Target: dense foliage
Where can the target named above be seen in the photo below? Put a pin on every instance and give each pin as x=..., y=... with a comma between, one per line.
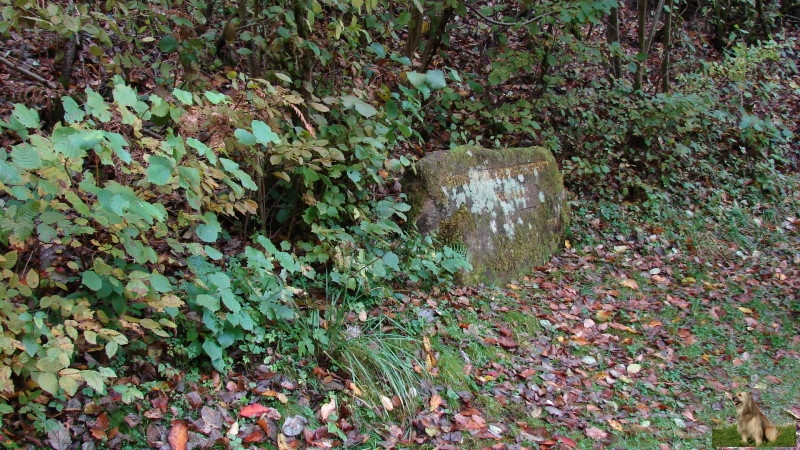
x=220, y=184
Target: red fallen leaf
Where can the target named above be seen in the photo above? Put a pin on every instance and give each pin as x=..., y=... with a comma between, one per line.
x=178, y=435
x=256, y=436
x=474, y=422
x=564, y=440
x=506, y=342
x=255, y=410
x=596, y=433
x=678, y=302
x=99, y=431
x=689, y=415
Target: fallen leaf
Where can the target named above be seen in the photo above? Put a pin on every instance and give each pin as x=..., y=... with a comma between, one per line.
x=565, y=440
x=253, y=410
x=745, y=310
x=234, y=429
x=59, y=437
x=326, y=409
x=634, y=368
x=631, y=283
x=387, y=403
x=178, y=435
x=294, y=425
x=596, y=433
x=256, y=436
x=435, y=403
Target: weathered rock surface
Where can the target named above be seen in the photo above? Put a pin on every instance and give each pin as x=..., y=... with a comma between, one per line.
x=507, y=207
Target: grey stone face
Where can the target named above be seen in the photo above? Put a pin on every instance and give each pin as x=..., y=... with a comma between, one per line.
x=507, y=207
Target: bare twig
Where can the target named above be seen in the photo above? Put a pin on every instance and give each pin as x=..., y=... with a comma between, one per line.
x=505, y=24
x=27, y=73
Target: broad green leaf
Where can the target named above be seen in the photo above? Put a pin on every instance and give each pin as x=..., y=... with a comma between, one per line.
x=435, y=79
x=48, y=382
x=51, y=364
x=416, y=79
x=245, y=137
x=213, y=350
x=125, y=95
x=95, y=380
x=69, y=385
x=73, y=143
x=26, y=157
x=213, y=253
x=202, y=149
x=184, y=96
x=264, y=134
x=208, y=302
x=29, y=118
x=111, y=348
x=247, y=182
x=365, y=109
x=216, y=98
x=168, y=44
x=97, y=106
x=391, y=260
x=72, y=111
x=159, y=171
x=207, y=233
x=9, y=173
x=91, y=280
x=160, y=283
x=137, y=286
x=230, y=301
x=220, y=280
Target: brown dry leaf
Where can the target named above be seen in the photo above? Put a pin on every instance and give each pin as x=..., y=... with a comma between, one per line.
x=101, y=428
x=435, y=403
x=631, y=283
x=596, y=433
x=603, y=315
x=387, y=403
x=178, y=435
x=327, y=409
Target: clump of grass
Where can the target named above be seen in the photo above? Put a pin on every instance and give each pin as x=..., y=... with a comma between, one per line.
x=381, y=360
x=729, y=437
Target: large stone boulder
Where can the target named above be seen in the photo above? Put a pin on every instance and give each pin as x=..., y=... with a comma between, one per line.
x=506, y=207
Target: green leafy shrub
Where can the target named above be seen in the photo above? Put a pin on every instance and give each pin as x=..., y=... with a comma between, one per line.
x=88, y=235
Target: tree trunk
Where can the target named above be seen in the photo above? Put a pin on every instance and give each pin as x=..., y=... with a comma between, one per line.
x=612, y=36
x=436, y=36
x=642, y=56
x=414, y=32
x=667, y=47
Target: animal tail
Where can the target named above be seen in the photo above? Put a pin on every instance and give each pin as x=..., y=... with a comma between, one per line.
x=771, y=432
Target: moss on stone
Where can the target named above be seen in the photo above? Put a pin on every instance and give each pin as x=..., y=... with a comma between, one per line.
x=507, y=206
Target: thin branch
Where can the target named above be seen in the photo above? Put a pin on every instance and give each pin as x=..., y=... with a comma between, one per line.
x=27, y=73
x=505, y=24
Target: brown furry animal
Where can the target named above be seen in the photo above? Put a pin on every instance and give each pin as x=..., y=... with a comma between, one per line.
x=752, y=424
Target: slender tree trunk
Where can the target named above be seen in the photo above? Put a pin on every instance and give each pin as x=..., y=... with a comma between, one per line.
x=436, y=36
x=665, y=63
x=642, y=56
x=612, y=36
x=654, y=26
x=414, y=31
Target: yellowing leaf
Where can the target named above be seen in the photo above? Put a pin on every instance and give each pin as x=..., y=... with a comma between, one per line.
x=745, y=310
x=327, y=409
x=436, y=402
x=387, y=403
x=32, y=279
x=634, y=368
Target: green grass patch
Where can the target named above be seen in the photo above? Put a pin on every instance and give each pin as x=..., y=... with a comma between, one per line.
x=729, y=437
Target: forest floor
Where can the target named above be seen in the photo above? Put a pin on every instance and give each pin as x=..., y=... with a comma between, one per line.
x=634, y=336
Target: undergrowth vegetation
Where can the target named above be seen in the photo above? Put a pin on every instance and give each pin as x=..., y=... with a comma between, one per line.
x=210, y=193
